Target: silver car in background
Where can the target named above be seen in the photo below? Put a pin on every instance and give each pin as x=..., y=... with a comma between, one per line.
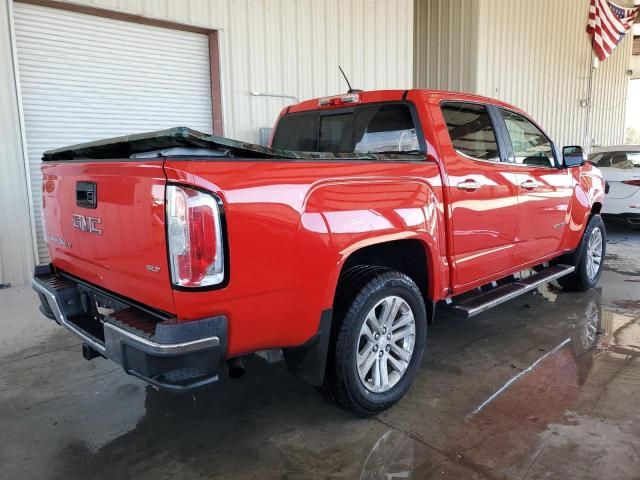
x=620, y=166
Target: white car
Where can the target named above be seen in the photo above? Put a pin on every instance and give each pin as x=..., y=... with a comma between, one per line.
x=621, y=169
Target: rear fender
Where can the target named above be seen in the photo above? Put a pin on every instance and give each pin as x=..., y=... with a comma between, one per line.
x=363, y=213
x=292, y=225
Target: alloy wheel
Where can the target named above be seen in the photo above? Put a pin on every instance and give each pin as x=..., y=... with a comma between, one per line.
x=385, y=344
x=594, y=253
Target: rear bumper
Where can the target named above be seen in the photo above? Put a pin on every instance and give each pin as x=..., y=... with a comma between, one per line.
x=170, y=355
x=625, y=210
x=630, y=218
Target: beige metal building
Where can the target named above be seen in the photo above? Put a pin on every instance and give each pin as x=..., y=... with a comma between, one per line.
x=72, y=71
x=635, y=58
x=533, y=54
x=76, y=71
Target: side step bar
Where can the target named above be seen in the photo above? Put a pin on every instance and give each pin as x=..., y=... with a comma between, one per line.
x=470, y=307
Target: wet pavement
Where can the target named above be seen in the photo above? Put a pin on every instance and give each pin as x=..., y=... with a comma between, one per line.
x=545, y=386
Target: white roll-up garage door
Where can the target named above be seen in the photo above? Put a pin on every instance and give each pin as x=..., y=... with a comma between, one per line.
x=84, y=77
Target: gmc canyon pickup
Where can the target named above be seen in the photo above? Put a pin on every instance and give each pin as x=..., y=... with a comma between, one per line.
x=175, y=253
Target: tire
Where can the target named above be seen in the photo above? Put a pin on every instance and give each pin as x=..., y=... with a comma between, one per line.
x=585, y=276
x=362, y=290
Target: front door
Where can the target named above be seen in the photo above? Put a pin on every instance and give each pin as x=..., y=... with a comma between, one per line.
x=482, y=190
x=545, y=191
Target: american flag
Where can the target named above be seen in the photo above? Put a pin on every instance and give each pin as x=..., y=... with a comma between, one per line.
x=607, y=25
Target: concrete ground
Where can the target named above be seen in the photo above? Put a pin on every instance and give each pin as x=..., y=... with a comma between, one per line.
x=546, y=386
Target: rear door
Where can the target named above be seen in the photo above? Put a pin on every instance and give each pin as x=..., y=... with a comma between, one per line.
x=106, y=225
x=544, y=190
x=483, y=193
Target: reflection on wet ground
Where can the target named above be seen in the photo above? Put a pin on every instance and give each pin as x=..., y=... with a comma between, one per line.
x=545, y=386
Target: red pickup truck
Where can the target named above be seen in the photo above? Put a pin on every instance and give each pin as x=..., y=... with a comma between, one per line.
x=175, y=253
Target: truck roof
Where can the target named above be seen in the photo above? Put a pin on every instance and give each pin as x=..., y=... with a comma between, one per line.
x=375, y=96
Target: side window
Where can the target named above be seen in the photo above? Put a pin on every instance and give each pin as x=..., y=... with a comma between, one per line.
x=622, y=160
x=600, y=160
x=626, y=160
x=530, y=145
x=634, y=158
x=470, y=130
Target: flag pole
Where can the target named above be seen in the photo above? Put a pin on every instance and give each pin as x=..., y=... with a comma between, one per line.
x=587, y=128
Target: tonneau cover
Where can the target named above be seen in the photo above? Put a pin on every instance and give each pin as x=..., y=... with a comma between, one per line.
x=183, y=137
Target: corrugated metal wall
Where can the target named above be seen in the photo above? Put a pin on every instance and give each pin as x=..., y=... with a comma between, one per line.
x=610, y=86
x=16, y=241
x=445, y=39
x=635, y=65
x=540, y=62
x=526, y=55
x=74, y=89
x=294, y=47
x=290, y=47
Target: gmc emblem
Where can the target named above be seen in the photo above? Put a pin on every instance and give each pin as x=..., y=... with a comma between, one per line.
x=87, y=224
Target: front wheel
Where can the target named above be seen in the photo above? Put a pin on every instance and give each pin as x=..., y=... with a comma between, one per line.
x=590, y=260
x=378, y=342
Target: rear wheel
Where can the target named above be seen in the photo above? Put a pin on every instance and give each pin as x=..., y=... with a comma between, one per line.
x=590, y=260
x=378, y=341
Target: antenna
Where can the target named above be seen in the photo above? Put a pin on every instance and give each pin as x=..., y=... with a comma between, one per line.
x=351, y=90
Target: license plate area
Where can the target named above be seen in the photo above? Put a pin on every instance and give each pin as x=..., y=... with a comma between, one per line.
x=96, y=307
x=104, y=308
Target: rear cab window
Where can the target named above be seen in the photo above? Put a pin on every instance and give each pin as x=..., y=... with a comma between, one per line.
x=374, y=128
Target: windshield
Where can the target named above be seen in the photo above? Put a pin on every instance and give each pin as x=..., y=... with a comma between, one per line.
x=621, y=160
x=383, y=128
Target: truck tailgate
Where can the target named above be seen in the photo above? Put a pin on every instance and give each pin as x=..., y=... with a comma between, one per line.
x=106, y=225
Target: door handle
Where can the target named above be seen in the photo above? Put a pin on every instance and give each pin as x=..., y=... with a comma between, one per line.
x=529, y=184
x=469, y=185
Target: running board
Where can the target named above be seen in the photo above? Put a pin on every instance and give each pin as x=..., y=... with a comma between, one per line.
x=482, y=302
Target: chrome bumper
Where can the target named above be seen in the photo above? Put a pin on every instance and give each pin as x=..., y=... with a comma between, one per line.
x=177, y=356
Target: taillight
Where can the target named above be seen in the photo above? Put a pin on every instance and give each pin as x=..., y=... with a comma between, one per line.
x=635, y=183
x=194, y=234
x=339, y=100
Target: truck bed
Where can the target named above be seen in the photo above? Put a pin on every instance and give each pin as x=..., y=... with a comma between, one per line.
x=183, y=142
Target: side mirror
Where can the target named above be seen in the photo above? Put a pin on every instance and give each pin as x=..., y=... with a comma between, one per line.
x=573, y=156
